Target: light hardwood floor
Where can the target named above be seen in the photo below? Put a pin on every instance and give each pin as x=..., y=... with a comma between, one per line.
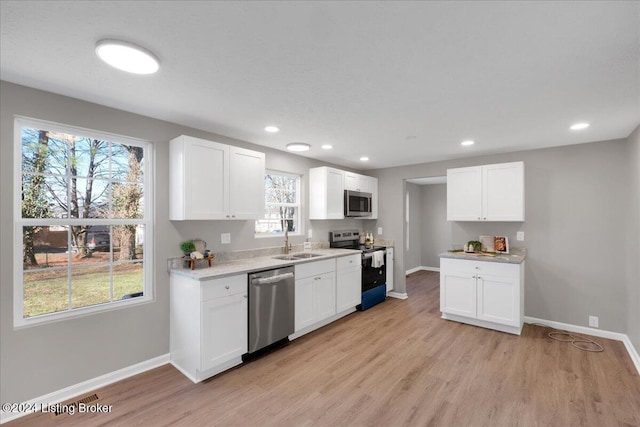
x=396, y=364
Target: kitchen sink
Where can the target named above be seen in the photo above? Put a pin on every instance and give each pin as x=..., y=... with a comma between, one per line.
x=293, y=257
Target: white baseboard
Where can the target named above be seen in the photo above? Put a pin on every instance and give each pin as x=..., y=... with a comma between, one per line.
x=633, y=352
x=399, y=295
x=84, y=387
x=421, y=268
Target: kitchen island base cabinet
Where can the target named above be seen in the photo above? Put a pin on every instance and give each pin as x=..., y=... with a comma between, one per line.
x=481, y=293
x=208, y=324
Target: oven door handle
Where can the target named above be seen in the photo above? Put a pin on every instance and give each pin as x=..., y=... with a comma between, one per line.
x=370, y=254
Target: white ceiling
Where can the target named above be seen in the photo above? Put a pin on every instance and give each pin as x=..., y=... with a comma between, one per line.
x=400, y=82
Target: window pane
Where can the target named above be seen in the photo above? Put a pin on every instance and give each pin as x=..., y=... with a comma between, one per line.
x=90, y=244
x=128, y=280
x=90, y=286
x=45, y=292
x=91, y=198
x=128, y=200
x=42, y=153
x=44, y=247
x=128, y=242
x=126, y=163
x=89, y=158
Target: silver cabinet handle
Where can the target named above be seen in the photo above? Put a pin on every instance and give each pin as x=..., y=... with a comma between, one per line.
x=233, y=216
x=226, y=287
x=228, y=216
x=245, y=295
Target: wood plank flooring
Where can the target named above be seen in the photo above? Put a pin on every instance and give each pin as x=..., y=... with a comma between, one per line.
x=396, y=364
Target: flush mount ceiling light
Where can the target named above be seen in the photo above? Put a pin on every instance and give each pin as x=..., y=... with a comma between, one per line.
x=272, y=129
x=579, y=126
x=127, y=56
x=364, y=159
x=298, y=146
x=467, y=143
x=327, y=147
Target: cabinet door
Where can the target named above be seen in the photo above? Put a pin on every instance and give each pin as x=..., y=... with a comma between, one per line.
x=503, y=190
x=206, y=183
x=464, y=194
x=356, y=182
x=324, y=296
x=304, y=303
x=498, y=299
x=335, y=194
x=224, y=330
x=457, y=292
x=348, y=288
x=373, y=189
x=246, y=184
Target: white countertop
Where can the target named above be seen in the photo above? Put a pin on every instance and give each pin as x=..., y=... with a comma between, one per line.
x=516, y=256
x=250, y=265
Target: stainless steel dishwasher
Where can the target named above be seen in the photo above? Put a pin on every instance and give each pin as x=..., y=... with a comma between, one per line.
x=271, y=307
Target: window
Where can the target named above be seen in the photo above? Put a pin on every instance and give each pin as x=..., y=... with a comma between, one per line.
x=83, y=222
x=282, y=205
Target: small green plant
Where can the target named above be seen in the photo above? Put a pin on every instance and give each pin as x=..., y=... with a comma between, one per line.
x=477, y=246
x=187, y=247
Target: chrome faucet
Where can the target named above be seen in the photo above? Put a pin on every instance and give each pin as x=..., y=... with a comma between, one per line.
x=287, y=245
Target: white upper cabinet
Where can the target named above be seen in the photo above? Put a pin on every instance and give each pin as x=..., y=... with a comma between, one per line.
x=209, y=180
x=326, y=193
x=486, y=193
x=356, y=182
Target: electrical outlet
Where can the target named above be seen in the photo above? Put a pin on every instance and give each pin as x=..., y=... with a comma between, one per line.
x=225, y=238
x=593, y=321
x=310, y=233
x=520, y=236
x=379, y=231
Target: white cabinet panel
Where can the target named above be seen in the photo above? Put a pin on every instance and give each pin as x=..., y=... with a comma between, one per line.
x=246, y=184
x=224, y=330
x=326, y=193
x=390, y=261
x=209, y=180
x=486, y=193
x=348, y=288
x=356, y=182
x=498, y=299
x=457, y=293
x=464, y=194
x=304, y=300
x=325, y=296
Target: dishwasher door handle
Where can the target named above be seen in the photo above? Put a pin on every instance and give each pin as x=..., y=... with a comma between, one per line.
x=271, y=279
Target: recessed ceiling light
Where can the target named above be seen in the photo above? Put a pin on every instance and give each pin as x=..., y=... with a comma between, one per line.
x=327, y=147
x=127, y=56
x=364, y=159
x=467, y=143
x=272, y=129
x=579, y=126
x=298, y=146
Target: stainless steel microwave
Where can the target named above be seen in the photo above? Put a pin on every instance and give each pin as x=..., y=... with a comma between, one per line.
x=357, y=203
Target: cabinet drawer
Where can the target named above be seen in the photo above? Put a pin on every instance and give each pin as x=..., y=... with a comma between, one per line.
x=218, y=288
x=315, y=268
x=483, y=267
x=348, y=261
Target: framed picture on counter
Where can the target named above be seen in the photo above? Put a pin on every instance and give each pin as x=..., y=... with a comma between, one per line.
x=501, y=244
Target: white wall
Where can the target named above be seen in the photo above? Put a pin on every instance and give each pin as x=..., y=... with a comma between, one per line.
x=41, y=359
x=436, y=231
x=576, y=228
x=413, y=253
x=633, y=240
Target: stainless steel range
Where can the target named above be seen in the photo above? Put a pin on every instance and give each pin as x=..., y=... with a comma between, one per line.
x=374, y=270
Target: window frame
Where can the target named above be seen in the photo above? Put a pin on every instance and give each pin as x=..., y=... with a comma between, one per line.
x=298, y=178
x=147, y=221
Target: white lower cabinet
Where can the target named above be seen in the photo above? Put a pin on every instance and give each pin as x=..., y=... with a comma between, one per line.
x=315, y=293
x=390, y=257
x=481, y=293
x=208, y=321
x=348, y=282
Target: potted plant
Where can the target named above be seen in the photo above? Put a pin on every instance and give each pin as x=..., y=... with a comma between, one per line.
x=187, y=247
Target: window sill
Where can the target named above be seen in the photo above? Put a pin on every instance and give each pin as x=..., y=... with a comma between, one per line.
x=280, y=236
x=45, y=319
